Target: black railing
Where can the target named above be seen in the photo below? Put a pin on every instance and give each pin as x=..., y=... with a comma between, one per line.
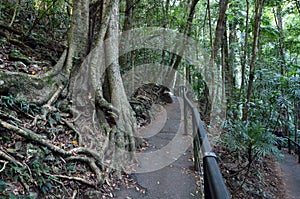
x=296, y=147
x=214, y=186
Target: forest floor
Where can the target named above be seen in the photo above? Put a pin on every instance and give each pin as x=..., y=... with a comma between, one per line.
x=269, y=178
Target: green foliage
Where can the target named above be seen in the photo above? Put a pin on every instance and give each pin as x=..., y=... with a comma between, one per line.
x=35, y=173
x=269, y=32
x=250, y=139
x=19, y=105
x=3, y=186
x=7, y=101
x=38, y=19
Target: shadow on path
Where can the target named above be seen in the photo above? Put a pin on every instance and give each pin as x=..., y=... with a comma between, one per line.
x=290, y=170
x=170, y=153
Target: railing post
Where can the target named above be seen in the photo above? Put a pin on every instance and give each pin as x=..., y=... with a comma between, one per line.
x=185, y=117
x=298, y=154
x=196, y=142
x=207, y=194
x=196, y=147
x=289, y=145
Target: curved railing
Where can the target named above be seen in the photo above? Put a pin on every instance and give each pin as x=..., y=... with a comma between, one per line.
x=214, y=186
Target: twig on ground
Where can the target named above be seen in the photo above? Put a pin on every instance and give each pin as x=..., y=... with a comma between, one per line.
x=73, y=178
x=4, y=165
x=10, y=158
x=74, y=194
x=23, y=182
x=3, y=114
x=28, y=168
x=59, y=182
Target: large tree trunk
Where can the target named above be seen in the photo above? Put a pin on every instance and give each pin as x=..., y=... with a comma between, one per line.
x=103, y=119
x=127, y=60
x=227, y=67
x=245, y=51
x=212, y=74
x=85, y=77
x=256, y=27
x=126, y=122
x=279, y=24
x=106, y=121
x=78, y=37
x=187, y=31
x=219, y=28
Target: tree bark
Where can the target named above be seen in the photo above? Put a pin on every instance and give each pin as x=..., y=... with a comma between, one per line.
x=278, y=19
x=227, y=64
x=219, y=28
x=256, y=27
x=214, y=51
x=78, y=37
x=127, y=60
x=186, y=31
x=244, y=57
x=126, y=123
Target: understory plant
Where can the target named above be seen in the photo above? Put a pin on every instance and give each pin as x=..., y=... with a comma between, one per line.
x=246, y=143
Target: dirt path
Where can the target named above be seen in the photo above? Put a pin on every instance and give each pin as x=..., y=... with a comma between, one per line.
x=166, y=167
x=291, y=176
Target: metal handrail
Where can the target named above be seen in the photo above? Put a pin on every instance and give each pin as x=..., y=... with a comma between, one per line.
x=296, y=145
x=214, y=186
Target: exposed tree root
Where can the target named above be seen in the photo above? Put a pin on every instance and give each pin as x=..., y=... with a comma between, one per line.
x=91, y=163
x=71, y=126
x=90, y=157
x=48, y=106
x=54, y=97
x=108, y=108
x=74, y=194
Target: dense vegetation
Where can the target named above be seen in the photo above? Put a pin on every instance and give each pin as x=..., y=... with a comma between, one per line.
x=252, y=47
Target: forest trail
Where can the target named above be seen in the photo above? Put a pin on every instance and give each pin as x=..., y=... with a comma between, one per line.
x=178, y=179
x=290, y=170
x=171, y=174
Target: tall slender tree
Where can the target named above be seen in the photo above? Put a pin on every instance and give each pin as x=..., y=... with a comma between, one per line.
x=256, y=27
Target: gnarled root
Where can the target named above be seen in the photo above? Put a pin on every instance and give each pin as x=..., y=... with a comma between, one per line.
x=80, y=153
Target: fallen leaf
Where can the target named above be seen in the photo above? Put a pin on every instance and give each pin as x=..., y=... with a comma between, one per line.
x=75, y=143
